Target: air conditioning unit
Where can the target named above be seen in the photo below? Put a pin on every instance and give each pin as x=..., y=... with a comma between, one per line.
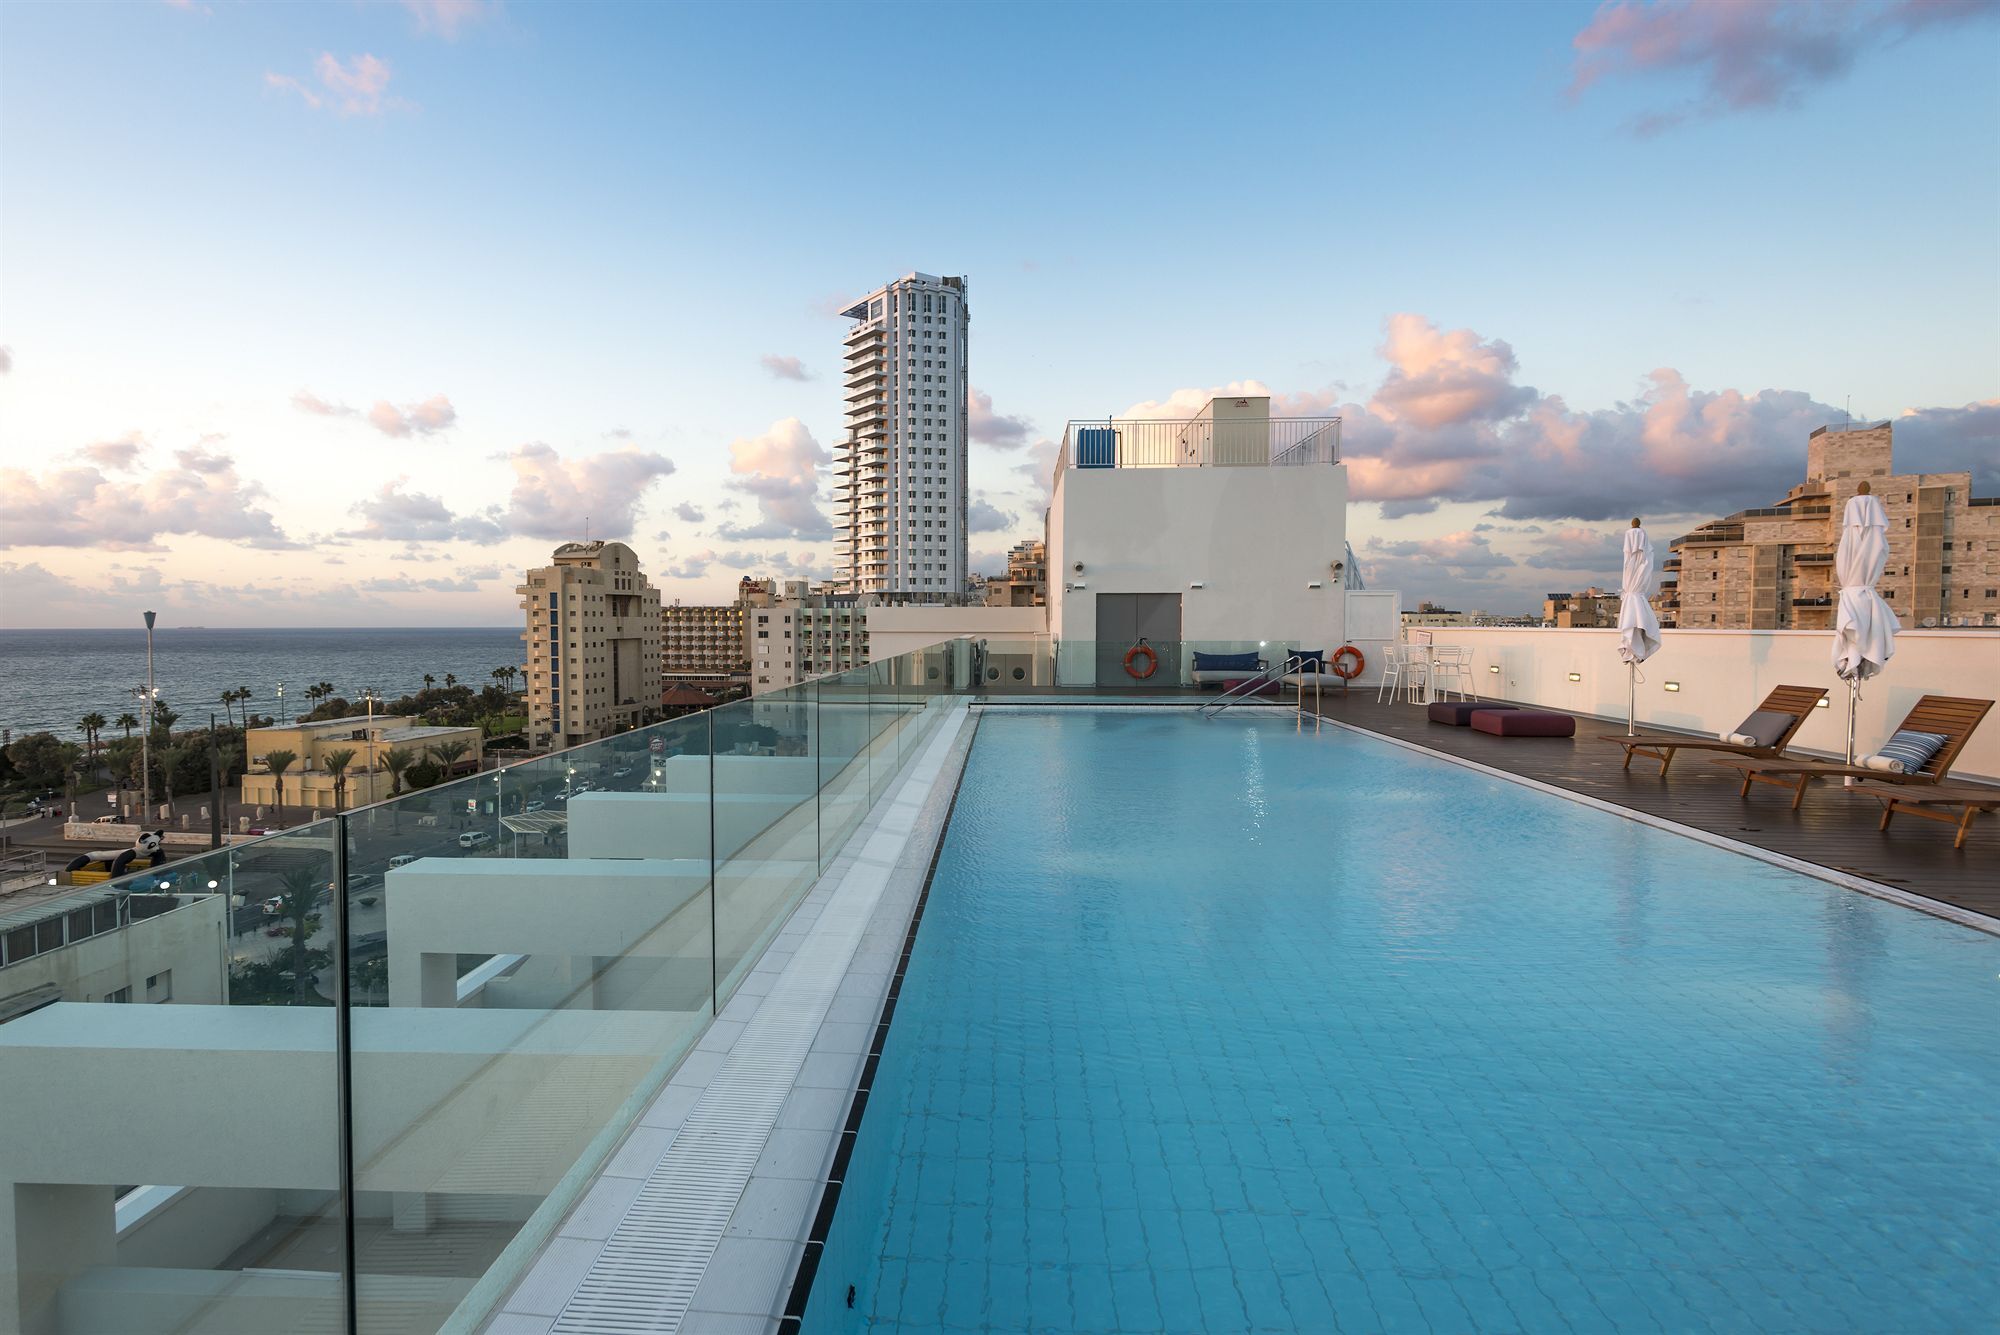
x=1005, y=671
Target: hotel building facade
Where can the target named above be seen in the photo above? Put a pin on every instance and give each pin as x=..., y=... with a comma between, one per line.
x=900, y=478
x=592, y=637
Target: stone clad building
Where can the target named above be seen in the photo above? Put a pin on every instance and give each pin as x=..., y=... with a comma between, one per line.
x=1772, y=568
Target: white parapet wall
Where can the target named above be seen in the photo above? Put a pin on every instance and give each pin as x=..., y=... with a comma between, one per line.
x=1707, y=680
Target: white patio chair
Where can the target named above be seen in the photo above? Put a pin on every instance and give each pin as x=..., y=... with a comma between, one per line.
x=1392, y=672
x=1416, y=672
x=1454, y=671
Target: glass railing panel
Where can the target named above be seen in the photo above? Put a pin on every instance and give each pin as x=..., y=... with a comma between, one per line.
x=885, y=718
x=1004, y=667
x=169, y=1143
x=767, y=830
x=841, y=709
x=530, y=954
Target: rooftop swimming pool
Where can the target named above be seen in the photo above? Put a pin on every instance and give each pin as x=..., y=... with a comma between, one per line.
x=1223, y=1026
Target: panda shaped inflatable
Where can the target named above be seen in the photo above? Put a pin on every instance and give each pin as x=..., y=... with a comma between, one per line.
x=150, y=845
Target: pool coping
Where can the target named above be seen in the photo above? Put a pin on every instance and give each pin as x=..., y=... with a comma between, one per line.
x=1908, y=899
x=744, y=1282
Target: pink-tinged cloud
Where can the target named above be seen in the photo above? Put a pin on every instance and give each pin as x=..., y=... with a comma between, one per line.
x=6, y=359
x=116, y=455
x=561, y=499
x=413, y=419
x=781, y=470
x=1449, y=423
x=991, y=428
x=78, y=505
x=355, y=87
x=1747, y=54
x=784, y=368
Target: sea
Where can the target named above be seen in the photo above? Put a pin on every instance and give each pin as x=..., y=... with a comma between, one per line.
x=51, y=678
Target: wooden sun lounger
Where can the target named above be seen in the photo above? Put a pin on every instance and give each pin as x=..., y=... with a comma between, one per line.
x=1953, y=716
x=1798, y=701
x=1970, y=798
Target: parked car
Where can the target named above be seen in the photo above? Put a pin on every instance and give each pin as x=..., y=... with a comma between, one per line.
x=474, y=839
x=273, y=906
x=534, y=806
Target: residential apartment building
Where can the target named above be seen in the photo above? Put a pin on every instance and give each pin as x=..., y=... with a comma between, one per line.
x=1772, y=568
x=702, y=643
x=307, y=782
x=593, y=644
x=1585, y=609
x=801, y=635
x=899, y=489
x=1027, y=580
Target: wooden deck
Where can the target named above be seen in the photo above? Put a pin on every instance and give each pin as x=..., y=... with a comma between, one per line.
x=1834, y=828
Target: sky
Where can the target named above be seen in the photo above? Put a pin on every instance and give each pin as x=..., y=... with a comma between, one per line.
x=346, y=313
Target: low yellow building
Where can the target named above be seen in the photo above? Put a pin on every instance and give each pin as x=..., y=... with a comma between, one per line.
x=307, y=782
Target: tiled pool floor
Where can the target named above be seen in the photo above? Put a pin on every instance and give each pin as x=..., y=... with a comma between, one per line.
x=1237, y=1029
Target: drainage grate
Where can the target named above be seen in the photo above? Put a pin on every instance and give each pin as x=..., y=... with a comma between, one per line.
x=644, y=1280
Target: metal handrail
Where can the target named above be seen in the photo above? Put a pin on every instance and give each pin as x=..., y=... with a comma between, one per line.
x=1223, y=701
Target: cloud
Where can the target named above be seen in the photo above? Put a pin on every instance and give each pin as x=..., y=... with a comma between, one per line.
x=1597, y=551
x=692, y=565
x=1038, y=469
x=116, y=455
x=413, y=419
x=784, y=368
x=405, y=584
x=559, y=499
x=1460, y=553
x=395, y=515
x=447, y=18
x=6, y=360
x=985, y=518
x=985, y=425
x=77, y=505
x=1747, y=55
x=780, y=469
x=688, y=512
x=1954, y=440
x=356, y=87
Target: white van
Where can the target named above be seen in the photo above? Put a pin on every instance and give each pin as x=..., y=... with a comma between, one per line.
x=475, y=839
x=401, y=860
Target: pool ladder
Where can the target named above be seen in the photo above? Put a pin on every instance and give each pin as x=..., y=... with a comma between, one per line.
x=1243, y=691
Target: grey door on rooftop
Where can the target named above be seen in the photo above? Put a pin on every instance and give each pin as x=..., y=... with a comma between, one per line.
x=1123, y=619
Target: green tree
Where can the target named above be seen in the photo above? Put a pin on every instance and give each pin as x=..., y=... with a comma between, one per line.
x=127, y=722
x=168, y=759
x=163, y=722
x=278, y=762
x=336, y=763
x=450, y=681
x=447, y=754
x=299, y=907
x=92, y=724
x=43, y=760
x=429, y=681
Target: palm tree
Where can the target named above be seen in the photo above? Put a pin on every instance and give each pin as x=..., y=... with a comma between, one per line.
x=127, y=722
x=450, y=681
x=299, y=904
x=429, y=681
x=397, y=759
x=91, y=724
x=164, y=720
x=336, y=763
x=313, y=694
x=169, y=759
x=326, y=691
x=278, y=762
x=228, y=701
x=447, y=753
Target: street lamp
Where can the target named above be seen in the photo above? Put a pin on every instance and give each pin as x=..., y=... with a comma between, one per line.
x=281, y=702
x=150, y=698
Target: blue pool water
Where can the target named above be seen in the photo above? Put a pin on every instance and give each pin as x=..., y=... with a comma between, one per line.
x=1217, y=1027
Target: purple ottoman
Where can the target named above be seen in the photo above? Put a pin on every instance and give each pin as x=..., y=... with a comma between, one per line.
x=1523, y=723
x=1459, y=713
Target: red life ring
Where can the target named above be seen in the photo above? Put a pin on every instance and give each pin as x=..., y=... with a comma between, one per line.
x=1339, y=662
x=1152, y=661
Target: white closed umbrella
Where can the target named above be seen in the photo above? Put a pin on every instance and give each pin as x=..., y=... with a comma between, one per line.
x=1864, y=629
x=1638, y=628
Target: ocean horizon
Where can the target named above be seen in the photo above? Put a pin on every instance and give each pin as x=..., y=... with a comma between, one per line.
x=51, y=678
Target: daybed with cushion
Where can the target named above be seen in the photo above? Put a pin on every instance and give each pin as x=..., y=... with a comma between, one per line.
x=1765, y=733
x=1512, y=722
x=1308, y=667
x=1459, y=713
x=1919, y=752
x=1217, y=669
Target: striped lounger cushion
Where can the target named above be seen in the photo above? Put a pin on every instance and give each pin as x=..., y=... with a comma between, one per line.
x=1908, y=752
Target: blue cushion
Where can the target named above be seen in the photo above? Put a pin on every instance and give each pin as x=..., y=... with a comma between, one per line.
x=1225, y=662
x=1913, y=750
x=1309, y=660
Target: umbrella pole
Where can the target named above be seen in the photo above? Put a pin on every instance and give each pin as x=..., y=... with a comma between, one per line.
x=1853, y=698
x=1631, y=699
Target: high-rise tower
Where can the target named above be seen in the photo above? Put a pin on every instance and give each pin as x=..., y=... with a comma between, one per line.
x=900, y=481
